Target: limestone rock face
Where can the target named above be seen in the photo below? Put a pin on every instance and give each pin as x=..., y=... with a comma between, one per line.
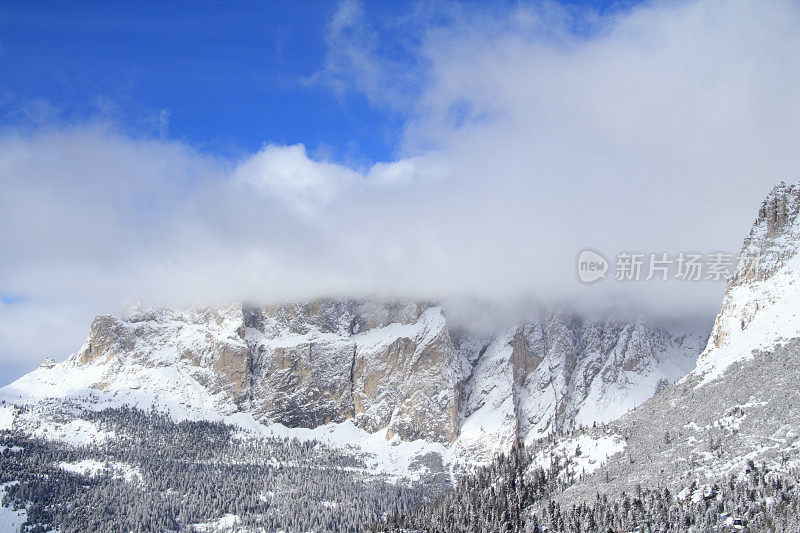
x=394, y=366
x=427, y=406
x=108, y=338
x=759, y=309
x=302, y=362
x=770, y=246
x=208, y=344
x=560, y=370
x=387, y=365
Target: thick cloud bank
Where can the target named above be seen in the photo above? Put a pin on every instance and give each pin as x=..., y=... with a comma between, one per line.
x=659, y=129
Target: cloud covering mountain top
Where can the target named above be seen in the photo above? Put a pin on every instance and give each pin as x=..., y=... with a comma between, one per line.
x=528, y=136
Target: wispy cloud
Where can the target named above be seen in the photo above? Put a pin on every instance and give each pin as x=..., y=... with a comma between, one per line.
x=382, y=65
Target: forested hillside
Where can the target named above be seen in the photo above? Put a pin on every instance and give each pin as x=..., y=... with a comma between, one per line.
x=513, y=494
x=158, y=475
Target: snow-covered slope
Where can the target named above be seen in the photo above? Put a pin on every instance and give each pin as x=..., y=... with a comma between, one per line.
x=398, y=369
x=703, y=432
x=761, y=308
x=742, y=402
x=10, y=519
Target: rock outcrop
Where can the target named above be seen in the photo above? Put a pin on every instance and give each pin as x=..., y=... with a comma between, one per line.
x=758, y=307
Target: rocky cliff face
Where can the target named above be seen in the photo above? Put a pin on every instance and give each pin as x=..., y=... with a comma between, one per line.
x=759, y=309
x=564, y=370
x=384, y=364
x=394, y=366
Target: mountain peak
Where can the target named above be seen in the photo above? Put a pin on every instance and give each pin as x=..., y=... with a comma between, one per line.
x=759, y=309
x=780, y=207
x=774, y=236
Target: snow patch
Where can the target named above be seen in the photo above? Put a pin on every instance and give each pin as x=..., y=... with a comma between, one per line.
x=93, y=467
x=6, y=417
x=77, y=432
x=10, y=520
x=584, y=453
x=394, y=458
x=86, y=467
x=227, y=522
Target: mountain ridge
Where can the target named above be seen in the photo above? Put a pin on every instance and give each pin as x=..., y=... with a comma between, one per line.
x=394, y=366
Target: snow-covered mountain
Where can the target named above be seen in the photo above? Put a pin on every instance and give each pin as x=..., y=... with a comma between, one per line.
x=400, y=368
x=739, y=406
x=717, y=451
x=761, y=307
x=416, y=394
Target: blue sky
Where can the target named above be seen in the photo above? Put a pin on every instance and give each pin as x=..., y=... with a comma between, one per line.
x=224, y=76
x=179, y=154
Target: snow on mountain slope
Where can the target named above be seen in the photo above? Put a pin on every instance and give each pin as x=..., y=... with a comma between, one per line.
x=6, y=417
x=702, y=433
x=489, y=412
x=741, y=403
x=607, y=400
x=761, y=308
x=586, y=454
x=10, y=519
x=561, y=371
x=373, y=375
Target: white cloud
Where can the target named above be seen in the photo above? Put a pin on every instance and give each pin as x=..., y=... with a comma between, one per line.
x=660, y=131
x=430, y=168
x=287, y=173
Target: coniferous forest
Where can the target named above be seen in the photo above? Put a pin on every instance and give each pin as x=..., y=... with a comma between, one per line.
x=511, y=495
x=159, y=475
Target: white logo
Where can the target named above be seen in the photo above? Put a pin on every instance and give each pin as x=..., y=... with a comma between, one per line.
x=591, y=266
